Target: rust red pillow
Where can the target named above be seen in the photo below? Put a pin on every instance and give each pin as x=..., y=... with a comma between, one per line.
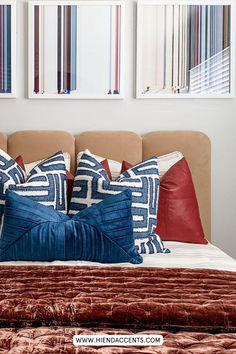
x=105, y=164
x=70, y=184
x=178, y=212
x=20, y=161
x=125, y=166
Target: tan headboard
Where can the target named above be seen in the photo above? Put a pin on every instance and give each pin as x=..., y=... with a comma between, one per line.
x=3, y=142
x=35, y=145
x=116, y=145
x=123, y=145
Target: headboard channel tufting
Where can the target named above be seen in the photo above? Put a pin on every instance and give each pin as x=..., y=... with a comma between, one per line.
x=123, y=145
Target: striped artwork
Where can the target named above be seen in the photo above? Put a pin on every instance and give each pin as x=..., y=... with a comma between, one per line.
x=76, y=50
x=5, y=49
x=114, y=63
x=209, y=57
x=186, y=49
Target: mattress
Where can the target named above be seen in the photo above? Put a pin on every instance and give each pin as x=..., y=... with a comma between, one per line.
x=183, y=255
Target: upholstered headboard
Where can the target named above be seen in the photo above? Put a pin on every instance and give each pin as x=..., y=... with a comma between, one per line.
x=123, y=145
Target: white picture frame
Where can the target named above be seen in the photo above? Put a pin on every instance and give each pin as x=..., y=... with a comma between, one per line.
x=7, y=49
x=158, y=75
x=88, y=37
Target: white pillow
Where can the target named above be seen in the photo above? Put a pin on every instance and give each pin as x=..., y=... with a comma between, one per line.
x=115, y=166
x=31, y=165
x=165, y=162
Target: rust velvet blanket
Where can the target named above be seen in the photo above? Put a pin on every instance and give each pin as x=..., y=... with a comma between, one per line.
x=128, y=299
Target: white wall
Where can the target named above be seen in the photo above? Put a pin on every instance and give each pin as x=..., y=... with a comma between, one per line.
x=216, y=118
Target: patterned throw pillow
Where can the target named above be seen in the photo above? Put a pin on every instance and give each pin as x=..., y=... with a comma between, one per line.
x=69, y=176
x=114, y=166
x=31, y=165
x=92, y=185
x=46, y=183
x=154, y=245
x=10, y=173
x=102, y=233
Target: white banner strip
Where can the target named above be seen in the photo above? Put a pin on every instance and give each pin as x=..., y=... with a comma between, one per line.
x=118, y=340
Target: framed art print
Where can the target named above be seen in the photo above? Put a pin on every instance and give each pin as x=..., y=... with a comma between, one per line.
x=76, y=49
x=7, y=49
x=185, y=49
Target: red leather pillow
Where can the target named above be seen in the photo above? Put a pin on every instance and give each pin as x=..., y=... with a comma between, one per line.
x=178, y=212
x=106, y=167
x=125, y=166
x=70, y=184
x=20, y=161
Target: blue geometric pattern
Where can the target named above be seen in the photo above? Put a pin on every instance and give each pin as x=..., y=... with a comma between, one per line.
x=46, y=183
x=10, y=173
x=92, y=185
x=153, y=245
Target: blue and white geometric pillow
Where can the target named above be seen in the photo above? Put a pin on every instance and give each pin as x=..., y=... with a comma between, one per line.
x=10, y=173
x=154, y=245
x=46, y=183
x=92, y=185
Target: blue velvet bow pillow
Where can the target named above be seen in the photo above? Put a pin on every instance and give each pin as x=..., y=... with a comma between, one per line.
x=101, y=233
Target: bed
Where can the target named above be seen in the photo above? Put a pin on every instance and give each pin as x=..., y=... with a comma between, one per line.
x=188, y=296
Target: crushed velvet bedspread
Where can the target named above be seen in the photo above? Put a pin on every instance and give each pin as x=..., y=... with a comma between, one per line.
x=56, y=340
x=133, y=298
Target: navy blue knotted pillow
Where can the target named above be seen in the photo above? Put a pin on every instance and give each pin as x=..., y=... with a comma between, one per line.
x=101, y=233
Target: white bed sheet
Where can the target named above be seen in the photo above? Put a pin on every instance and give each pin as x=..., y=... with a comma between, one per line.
x=183, y=255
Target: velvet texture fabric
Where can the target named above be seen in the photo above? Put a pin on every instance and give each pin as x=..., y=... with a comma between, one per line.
x=55, y=340
x=122, y=297
x=101, y=233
